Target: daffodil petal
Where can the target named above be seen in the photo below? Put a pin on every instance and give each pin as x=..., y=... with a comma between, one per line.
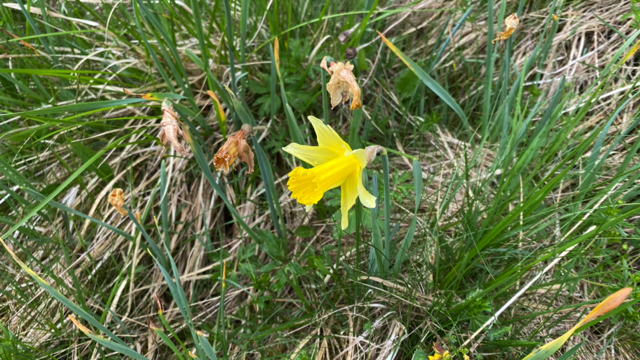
x=303, y=186
x=313, y=155
x=309, y=185
x=366, y=198
x=349, y=191
x=327, y=136
x=361, y=155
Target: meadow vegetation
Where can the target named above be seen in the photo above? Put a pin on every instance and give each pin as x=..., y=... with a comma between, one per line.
x=507, y=184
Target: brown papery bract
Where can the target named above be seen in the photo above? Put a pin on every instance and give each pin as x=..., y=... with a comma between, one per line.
x=342, y=86
x=116, y=199
x=372, y=151
x=512, y=23
x=236, y=147
x=172, y=129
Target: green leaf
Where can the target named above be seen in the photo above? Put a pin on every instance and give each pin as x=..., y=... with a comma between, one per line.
x=103, y=170
x=427, y=80
x=63, y=186
x=406, y=83
x=305, y=231
x=58, y=296
x=119, y=348
x=79, y=107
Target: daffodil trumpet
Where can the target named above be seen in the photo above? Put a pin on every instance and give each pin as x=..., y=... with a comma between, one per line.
x=335, y=164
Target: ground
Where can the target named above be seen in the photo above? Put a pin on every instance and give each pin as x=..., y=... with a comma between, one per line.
x=507, y=201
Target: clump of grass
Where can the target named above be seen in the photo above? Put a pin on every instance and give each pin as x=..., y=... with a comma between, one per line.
x=507, y=203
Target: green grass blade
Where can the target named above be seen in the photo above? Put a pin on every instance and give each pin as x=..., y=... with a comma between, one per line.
x=206, y=171
x=408, y=239
x=119, y=348
x=62, y=186
x=153, y=247
x=79, y=107
x=206, y=346
x=387, y=207
x=294, y=129
x=429, y=82
x=325, y=101
x=444, y=45
x=354, y=129
x=269, y=186
x=229, y=32
x=62, y=207
x=165, y=339
x=377, y=247
x=164, y=200
x=61, y=298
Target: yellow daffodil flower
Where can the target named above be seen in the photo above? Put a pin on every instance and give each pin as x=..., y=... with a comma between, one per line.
x=335, y=164
x=437, y=356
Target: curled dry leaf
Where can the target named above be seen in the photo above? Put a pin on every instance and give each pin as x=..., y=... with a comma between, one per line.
x=512, y=23
x=343, y=85
x=172, y=129
x=236, y=147
x=116, y=199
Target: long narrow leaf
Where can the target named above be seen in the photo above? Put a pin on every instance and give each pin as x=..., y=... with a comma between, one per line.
x=427, y=80
x=58, y=296
x=119, y=348
x=608, y=304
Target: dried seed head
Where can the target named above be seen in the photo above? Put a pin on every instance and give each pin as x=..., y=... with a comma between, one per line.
x=350, y=53
x=116, y=199
x=236, y=147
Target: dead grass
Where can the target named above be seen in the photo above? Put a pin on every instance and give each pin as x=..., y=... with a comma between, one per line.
x=375, y=325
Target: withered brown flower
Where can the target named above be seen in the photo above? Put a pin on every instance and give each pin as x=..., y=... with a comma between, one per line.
x=172, y=129
x=343, y=85
x=235, y=147
x=116, y=199
x=512, y=23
